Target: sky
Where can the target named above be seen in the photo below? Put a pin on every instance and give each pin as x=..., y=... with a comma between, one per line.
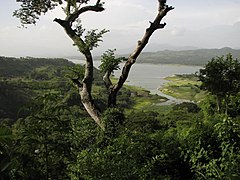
x=196, y=23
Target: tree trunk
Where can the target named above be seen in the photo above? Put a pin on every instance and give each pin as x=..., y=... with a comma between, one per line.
x=112, y=99
x=86, y=89
x=84, y=86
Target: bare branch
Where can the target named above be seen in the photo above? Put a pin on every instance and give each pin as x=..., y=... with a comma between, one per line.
x=163, y=9
x=96, y=8
x=107, y=80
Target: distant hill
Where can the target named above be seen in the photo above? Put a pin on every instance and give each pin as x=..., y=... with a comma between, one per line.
x=186, y=57
x=182, y=56
x=153, y=47
x=11, y=67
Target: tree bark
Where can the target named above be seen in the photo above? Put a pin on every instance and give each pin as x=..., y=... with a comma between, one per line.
x=85, y=86
x=155, y=25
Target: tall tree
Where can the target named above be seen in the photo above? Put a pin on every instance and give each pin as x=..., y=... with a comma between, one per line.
x=31, y=10
x=221, y=77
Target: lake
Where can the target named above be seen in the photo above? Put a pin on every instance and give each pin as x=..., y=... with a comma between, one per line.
x=151, y=76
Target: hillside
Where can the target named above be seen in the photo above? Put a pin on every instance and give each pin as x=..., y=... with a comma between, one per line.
x=45, y=132
x=12, y=67
x=22, y=80
x=187, y=57
x=195, y=57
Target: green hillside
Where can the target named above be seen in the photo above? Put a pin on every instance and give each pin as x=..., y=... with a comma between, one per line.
x=187, y=57
x=24, y=79
x=45, y=132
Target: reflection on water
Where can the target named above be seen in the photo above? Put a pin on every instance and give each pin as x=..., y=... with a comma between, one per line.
x=151, y=76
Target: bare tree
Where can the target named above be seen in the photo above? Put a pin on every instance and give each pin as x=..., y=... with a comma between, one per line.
x=31, y=10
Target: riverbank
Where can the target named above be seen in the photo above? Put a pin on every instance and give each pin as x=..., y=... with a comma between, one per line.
x=184, y=87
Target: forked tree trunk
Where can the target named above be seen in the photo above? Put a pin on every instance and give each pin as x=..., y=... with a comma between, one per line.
x=85, y=85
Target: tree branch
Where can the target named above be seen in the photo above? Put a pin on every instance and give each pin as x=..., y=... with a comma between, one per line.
x=77, y=83
x=107, y=80
x=96, y=8
x=163, y=9
x=85, y=86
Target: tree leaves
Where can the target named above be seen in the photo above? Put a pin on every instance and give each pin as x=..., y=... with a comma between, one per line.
x=31, y=10
x=92, y=38
x=221, y=77
x=109, y=62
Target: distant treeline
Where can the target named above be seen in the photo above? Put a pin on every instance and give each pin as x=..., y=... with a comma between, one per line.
x=187, y=57
x=12, y=67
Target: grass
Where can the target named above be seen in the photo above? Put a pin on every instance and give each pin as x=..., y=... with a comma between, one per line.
x=143, y=100
x=148, y=102
x=183, y=87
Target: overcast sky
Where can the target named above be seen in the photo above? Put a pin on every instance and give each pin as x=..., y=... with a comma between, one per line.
x=198, y=23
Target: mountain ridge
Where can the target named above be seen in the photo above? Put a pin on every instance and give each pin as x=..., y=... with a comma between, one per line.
x=198, y=57
x=186, y=57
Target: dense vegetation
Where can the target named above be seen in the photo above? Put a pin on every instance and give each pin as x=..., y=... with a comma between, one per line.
x=86, y=40
x=50, y=136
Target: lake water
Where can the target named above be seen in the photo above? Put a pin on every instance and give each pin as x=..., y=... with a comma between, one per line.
x=151, y=76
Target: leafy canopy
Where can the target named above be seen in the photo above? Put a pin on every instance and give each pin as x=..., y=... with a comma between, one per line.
x=221, y=76
x=109, y=62
x=31, y=10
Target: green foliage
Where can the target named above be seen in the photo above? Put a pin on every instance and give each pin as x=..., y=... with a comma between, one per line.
x=143, y=121
x=92, y=38
x=113, y=120
x=43, y=147
x=184, y=86
x=221, y=77
x=75, y=72
x=109, y=62
x=88, y=40
x=189, y=107
x=56, y=139
x=24, y=78
x=218, y=158
x=130, y=156
x=12, y=98
x=31, y=10
x=208, y=105
x=78, y=28
x=20, y=67
x=6, y=141
x=234, y=105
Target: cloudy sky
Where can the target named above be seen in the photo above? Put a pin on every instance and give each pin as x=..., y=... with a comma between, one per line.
x=203, y=24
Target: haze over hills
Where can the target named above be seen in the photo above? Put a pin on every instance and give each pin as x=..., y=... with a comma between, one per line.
x=184, y=55
x=153, y=47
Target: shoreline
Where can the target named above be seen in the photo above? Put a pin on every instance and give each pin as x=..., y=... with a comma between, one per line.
x=153, y=78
